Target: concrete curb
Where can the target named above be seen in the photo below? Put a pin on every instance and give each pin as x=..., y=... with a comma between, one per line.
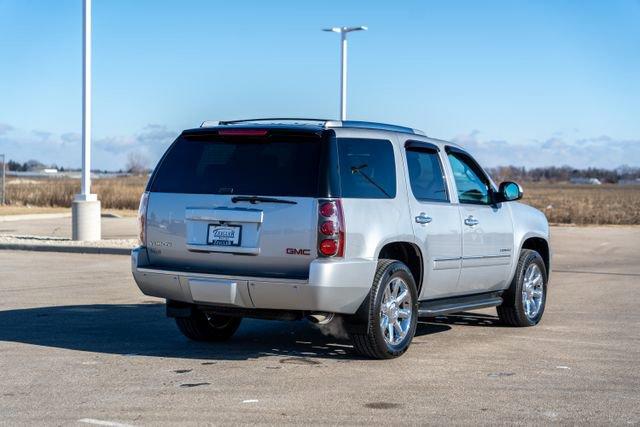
x=27, y=217
x=66, y=249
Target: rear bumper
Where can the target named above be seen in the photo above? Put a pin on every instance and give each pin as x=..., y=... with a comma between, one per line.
x=335, y=286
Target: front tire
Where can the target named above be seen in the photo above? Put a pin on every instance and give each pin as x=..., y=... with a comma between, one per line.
x=201, y=326
x=525, y=300
x=393, y=312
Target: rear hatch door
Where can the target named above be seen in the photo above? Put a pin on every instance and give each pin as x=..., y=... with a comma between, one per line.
x=243, y=202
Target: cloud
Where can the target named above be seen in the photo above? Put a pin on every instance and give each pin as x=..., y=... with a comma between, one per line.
x=65, y=149
x=5, y=128
x=150, y=143
x=38, y=145
x=42, y=135
x=70, y=137
x=558, y=150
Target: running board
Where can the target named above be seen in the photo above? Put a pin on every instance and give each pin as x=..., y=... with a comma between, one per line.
x=442, y=306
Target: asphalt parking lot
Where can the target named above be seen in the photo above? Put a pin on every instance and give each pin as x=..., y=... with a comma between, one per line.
x=80, y=344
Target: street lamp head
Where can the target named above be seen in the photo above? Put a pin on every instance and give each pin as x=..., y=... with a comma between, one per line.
x=345, y=29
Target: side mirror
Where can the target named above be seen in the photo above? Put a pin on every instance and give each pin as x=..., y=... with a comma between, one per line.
x=509, y=191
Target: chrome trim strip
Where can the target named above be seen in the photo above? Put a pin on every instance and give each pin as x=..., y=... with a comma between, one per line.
x=447, y=259
x=224, y=215
x=486, y=256
x=447, y=263
x=472, y=257
x=475, y=261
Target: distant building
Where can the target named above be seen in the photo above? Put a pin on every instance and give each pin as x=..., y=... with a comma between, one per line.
x=586, y=181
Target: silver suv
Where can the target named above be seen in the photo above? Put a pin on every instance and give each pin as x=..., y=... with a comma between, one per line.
x=300, y=218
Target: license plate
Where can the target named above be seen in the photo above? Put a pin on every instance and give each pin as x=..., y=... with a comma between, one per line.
x=224, y=235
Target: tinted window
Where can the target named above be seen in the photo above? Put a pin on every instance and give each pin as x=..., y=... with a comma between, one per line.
x=470, y=181
x=425, y=175
x=262, y=166
x=367, y=168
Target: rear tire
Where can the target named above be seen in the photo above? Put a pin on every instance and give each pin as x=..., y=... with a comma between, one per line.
x=201, y=326
x=393, y=312
x=525, y=300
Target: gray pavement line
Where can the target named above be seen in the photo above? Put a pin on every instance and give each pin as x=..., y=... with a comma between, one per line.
x=105, y=250
x=596, y=272
x=102, y=422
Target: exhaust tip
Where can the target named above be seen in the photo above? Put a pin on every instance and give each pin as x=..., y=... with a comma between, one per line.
x=321, y=318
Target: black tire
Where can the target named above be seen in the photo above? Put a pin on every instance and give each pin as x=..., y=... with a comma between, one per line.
x=512, y=312
x=207, y=327
x=372, y=343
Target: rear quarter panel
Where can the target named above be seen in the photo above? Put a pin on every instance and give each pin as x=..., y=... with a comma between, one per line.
x=372, y=223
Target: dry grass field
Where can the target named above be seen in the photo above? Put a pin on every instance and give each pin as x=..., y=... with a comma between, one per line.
x=562, y=203
x=114, y=193
x=585, y=204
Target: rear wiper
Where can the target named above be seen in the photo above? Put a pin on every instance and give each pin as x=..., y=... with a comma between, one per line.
x=257, y=199
x=358, y=169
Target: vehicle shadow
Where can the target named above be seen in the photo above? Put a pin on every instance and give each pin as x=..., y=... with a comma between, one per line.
x=143, y=330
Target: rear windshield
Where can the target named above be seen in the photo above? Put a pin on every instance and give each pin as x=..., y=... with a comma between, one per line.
x=263, y=166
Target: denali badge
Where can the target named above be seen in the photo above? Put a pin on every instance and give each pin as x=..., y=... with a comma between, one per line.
x=294, y=251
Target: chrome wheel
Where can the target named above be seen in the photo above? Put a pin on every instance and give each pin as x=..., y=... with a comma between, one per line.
x=532, y=291
x=396, y=311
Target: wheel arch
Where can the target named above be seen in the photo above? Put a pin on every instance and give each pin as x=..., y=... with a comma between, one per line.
x=407, y=252
x=540, y=245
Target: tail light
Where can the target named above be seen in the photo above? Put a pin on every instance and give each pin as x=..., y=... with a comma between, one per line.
x=142, y=219
x=242, y=132
x=331, y=229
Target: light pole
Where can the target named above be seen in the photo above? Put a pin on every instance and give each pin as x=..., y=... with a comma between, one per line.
x=343, y=31
x=85, y=210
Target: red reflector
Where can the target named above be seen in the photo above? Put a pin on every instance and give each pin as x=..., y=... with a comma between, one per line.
x=327, y=209
x=328, y=247
x=328, y=228
x=243, y=132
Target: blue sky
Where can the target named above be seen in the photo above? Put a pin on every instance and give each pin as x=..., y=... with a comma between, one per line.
x=524, y=83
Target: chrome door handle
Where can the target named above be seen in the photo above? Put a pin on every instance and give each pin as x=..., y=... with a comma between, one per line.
x=471, y=221
x=423, y=218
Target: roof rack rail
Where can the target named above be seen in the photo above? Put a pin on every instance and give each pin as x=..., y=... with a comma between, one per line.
x=321, y=122
x=372, y=125
x=209, y=123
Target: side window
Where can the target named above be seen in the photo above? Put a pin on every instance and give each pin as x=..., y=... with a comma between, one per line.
x=367, y=168
x=470, y=181
x=425, y=175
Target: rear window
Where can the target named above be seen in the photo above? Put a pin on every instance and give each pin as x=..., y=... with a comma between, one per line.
x=425, y=175
x=263, y=166
x=367, y=168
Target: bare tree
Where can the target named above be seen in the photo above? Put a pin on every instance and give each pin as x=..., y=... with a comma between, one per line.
x=137, y=163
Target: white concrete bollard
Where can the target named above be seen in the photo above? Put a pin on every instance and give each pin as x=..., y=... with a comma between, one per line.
x=85, y=220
